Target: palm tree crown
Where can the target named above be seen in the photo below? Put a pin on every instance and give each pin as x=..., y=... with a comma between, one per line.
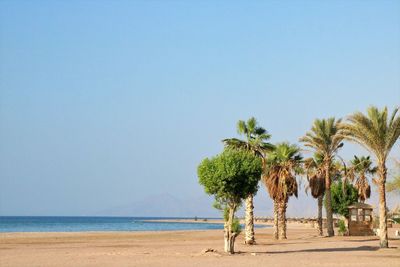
x=324, y=138
x=363, y=164
x=256, y=138
x=282, y=166
x=315, y=175
x=359, y=169
x=375, y=131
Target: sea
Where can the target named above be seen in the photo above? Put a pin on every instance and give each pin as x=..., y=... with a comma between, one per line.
x=85, y=224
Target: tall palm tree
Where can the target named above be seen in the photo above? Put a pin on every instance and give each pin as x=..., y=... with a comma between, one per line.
x=325, y=139
x=359, y=169
x=378, y=133
x=256, y=141
x=316, y=183
x=282, y=166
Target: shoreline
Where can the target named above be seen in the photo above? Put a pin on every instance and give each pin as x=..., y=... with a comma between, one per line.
x=303, y=223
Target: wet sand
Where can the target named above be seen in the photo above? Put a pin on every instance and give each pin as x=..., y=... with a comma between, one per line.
x=185, y=248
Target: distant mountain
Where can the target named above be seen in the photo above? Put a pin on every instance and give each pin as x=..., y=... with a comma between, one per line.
x=165, y=205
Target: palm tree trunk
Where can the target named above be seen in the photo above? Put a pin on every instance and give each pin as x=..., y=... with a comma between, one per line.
x=328, y=203
x=276, y=210
x=383, y=235
x=363, y=195
x=282, y=219
x=320, y=199
x=249, y=222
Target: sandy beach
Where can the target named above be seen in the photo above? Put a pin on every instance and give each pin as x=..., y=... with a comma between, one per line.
x=185, y=248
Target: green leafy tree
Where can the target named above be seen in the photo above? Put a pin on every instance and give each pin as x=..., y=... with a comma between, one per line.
x=325, y=139
x=342, y=227
x=343, y=195
x=230, y=177
x=377, y=131
x=255, y=141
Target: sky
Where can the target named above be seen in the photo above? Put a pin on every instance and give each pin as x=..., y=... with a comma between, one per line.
x=107, y=105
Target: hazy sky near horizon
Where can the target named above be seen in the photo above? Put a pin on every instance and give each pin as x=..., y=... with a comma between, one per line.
x=104, y=103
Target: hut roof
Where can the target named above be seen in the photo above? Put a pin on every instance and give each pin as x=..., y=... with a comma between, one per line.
x=359, y=205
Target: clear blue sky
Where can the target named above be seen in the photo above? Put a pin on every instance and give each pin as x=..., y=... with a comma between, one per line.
x=104, y=103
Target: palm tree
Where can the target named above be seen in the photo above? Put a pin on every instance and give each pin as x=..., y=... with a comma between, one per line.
x=282, y=166
x=359, y=169
x=256, y=141
x=316, y=183
x=325, y=139
x=394, y=184
x=378, y=133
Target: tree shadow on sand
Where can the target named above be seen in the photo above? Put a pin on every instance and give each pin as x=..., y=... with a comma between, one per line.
x=361, y=248
x=318, y=250
x=283, y=243
x=360, y=240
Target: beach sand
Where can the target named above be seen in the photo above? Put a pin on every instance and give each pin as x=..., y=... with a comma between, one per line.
x=184, y=248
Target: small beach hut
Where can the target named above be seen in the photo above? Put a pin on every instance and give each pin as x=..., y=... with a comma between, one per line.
x=360, y=219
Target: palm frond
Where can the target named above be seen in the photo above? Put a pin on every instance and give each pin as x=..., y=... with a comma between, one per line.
x=325, y=137
x=252, y=125
x=375, y=131
x=281, y=168
x=255, y=138
x=241, y=127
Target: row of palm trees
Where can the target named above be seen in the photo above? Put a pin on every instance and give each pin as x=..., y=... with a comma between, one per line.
x=357, y=172
x=375, y=130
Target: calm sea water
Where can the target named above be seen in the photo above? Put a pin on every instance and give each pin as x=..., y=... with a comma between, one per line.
x=82, y=224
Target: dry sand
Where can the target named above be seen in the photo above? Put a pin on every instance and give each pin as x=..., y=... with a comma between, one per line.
x=184, y=248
